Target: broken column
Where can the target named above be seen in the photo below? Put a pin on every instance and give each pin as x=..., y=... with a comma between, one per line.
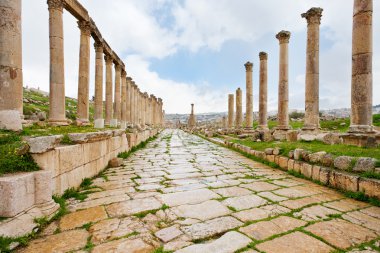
x=249, y=96
x=313, y=17
x=239, y=109
x=361, y=85
x=108, y=108
x=230, y=111
x=98, y=114
x=84, y=73
x=283, y=89
x=263, y=90
x=57, y=113
x=11, y=79
x=117, y=98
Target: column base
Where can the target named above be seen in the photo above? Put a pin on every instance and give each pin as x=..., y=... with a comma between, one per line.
x=82, y=122
x=368, y=140
x=10, y=120
x=262, y=127
x=361, y=129
x=99, y=123
x=123, y=125
x=279, y=134
x=113, y=123
x=58, y=122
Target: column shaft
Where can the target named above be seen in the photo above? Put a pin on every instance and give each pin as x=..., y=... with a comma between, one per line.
x=108, y=107
x=230, y=110
x=361, y=85
x=117, y=96
x=98, y=114
x=57, y=113
x=84, y=72
x=249, y=96
x=263, y=96
x=123, y=99
x=11, y=79
x=239, y=109
x=128, y=100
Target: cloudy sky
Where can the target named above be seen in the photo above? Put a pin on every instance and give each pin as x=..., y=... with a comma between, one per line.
x=193, y=51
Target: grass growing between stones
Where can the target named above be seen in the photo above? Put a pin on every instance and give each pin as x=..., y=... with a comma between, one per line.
x=142, y=145
x=161, y=250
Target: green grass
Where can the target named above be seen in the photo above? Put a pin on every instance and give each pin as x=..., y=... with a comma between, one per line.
x=143, y=144
x=314, y=146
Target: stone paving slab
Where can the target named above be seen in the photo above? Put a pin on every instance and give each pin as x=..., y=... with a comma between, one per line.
x=79, y=218
x=244, y=202
x=204, y=211
x=130, y=207
x=187, y=197
x=260, y=213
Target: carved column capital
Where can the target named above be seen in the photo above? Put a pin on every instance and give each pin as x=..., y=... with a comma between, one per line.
x=263, y=56
x=313, y=16
x=248, y=66
x=98, y=47
x=123, y=73
x=283, y=36
x=108, y=58
x=56, y=4
x=85, y=27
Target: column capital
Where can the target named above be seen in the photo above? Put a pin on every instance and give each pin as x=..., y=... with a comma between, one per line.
x=56, y=4
x=117, y=66
x=263, y=56
x=85, y=27
x=129, y=79
x=248, y=66
x=313, y=16
x=123, y=73
x=283, y=36
x=108, y=58
x=98, y=47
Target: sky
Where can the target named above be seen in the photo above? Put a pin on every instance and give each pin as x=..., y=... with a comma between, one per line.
x=193, y=51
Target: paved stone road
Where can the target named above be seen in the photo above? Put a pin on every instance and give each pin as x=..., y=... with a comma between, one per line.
x=191, y=196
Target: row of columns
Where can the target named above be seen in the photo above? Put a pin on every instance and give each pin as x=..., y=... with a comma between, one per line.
x=361, y=85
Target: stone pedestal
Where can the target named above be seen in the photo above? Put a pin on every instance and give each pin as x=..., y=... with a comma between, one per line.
x=10, y=65
x=283, y=89
x=98, y=115
x=114, y=123
x=263, y=96
x=313, y=17
x=57, y=113
x=249, y=96
x=84, y=72
x=239, y=109
x=108, y=107
x=99, y=123
x=230, y=111
x=361, y=85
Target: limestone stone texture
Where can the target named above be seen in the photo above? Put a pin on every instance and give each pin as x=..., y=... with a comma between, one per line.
x=239, y=109
x=98, y=114
x=123, y=116
x=57, y=113
x=128, y=98
x=11, y=78
x=313, y=17
x=263, y=90
x=117, y=96
x=84, y=72
x=108, y=108
x=249, y=96
x=283, y=87
x=362, y=51
x=192, y=119
x=230, y=111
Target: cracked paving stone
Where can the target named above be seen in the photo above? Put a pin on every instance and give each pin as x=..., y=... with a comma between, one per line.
x=203, y=211
x=260, y=213
x=260, y=186
x=244, y=202
x=130, y=207
x=187, y=197
x=364, y=220
x=346, y=205
x=341, y=234
x=232, y=191
x=271, y=196
x=124, y=245
x=314, y=213
x=168, y=234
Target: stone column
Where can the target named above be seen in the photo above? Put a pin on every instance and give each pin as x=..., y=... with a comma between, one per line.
x=313, y=17
x=142, y=98
x=137, y=104
x=283, y=89
x=129, y=97
x=160, y=112
x=263, y=96
x=11, y=79
x=57, y=112
x=123, y=116
x=108, y=106
x=84, y=73
x=98, y=115
x=152, y=109
x=230, y=111
x=117, y=98
x=239, y=109
x=132, y=103
x=361, y=84
x=249, y=96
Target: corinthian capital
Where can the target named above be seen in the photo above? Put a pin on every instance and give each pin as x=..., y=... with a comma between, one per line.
x=248, y=66
x=263, y=56
x=283, y=36
x=108, y=58
x=56, y=4
x=85, y=27
x=313, y=16
x=98, y=47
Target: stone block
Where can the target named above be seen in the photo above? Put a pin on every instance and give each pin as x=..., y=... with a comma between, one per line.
x=316, y=172
x=16, y=193
x=42, y=144
x=307, y=170
x=317, y=157
x=270, y=158
x=291, y=164
x=48, y=161
x=365, y=164
x=330, y=138
x=70, y=157
x=297, y=166
x=43, y=185
x=298, y=153
x=324, y=175
x=269, y=151
x=277, y=151
x=10, y=120
x=343, y=162
x=115, y=143
x=344, y=181
x=370, y=187
x=89, y=137
x=327, y=160
x=307, y=137
x=260, y=154
x=283, y=162
x=291, y=136
x=99, y=123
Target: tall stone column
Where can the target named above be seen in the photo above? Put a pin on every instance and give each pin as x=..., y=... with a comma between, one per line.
x=283, y=89
x=117, y=97
x=137, y=104
x=108, y=106
x=361, y=84
x=129, y=97
x=132, y=103
x=98, y=115
x=142, y=113
x=123, y=123
x=160, y=112
x=84, y=73
x=230, y=111
x=313, y=17
x=57, y=112
x=11, y=79
x=152, y=109
x=239, y=109
x=263, y=90
x=249, y=96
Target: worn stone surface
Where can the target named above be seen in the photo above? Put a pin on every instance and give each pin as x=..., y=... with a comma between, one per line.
x=168, y=234
x=79, y=218
x=244, y=202
x=124, y=245
x=204, y=211
x=260, y=213
x=315, y=213
x=187, y=197
x=343, y=162
x=133, y=206
x=44, y=143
